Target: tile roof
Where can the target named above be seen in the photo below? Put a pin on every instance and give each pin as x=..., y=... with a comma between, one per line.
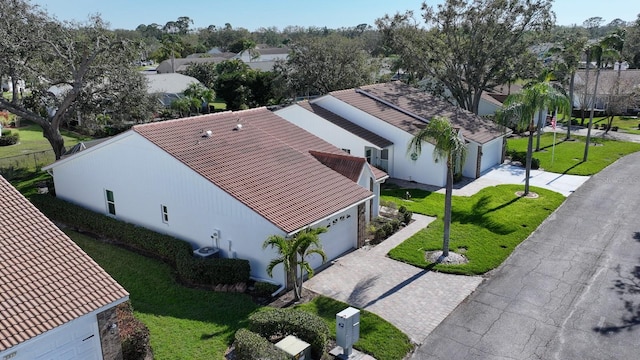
x=407, y=107
x=266, y=165
x=349, y=166
x=346, y=124
x=45, y=279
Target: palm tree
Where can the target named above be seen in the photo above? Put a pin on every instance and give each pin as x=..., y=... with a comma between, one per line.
x=293, y=253
x=450, y=146
x=522, y=108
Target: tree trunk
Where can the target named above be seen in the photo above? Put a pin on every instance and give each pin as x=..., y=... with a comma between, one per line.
x=55, y=139
x=527, y=172
x=571, y=86
x=447, y=208
x=586, y=88
x=538, y=130
x=593, y=106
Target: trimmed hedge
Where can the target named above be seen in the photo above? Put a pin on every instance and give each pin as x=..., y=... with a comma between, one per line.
x=301, y=324
x=8, y=139
x=250, y=346
x=176, y=252
x=134, y=335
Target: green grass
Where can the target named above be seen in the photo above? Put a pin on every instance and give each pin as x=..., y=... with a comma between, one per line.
x=568, y=154
x=31, y=140
x=184, y=323
x=486, y=227
x=624, y=123
x=378, y=338
x=197, y=324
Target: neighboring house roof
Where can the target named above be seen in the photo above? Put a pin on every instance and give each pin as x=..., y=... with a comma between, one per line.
x=181, y=64
x=45, y=279
x=501, y=92
x=171, y=83
x=410, y=109
x=492, y=98
x=338, y=120
x=266, y=164
x=629, y=79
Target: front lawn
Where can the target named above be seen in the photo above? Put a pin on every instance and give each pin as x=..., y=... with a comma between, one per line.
x=32, y=140
x=377, y=337
x=628, y=124
x=485, y=227
x=568, y=154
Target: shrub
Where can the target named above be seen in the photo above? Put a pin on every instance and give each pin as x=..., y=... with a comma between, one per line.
x=388, y=229
x=407, y=217
x=521, y=156
x=250, y=346
x=176, y=252
x=395, y=225
x=7, y=140
x=402, y=209
x=379, y=235
x=301, y=324
x=264, y=288
x=5, y=132
x=134, y=335
x=388, y=203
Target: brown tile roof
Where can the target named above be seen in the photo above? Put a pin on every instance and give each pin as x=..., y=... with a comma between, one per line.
x=266, y=165
x=45, y=279
x=407, y=107
x=349, y=166
x=346, y=124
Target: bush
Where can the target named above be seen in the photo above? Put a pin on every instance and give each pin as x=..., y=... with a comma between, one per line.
x=134, y=335
x=265, y=289
x=395, y=225
x=301, y=324
x=9, y=139
x=176, y=252
x=521, y=156
x=379, y=235
x=407, y=217
x=250, y=346
x=388, y=229
x=402, y=209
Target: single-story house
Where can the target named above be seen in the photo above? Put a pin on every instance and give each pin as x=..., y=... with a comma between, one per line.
x=378, y=122
x=611, y=84
x=169, y=87
x=228, y=181
x=56, y=302
x=181, y=64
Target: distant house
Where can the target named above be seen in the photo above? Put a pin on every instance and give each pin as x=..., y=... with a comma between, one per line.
x=609, y=87
x=55, y=302
x=182, y=64
x=378, y=122
x=227, y=180
x=168, y=87
x=264, y=53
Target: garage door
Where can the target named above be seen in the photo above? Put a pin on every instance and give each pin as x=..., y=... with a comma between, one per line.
x=76, y=340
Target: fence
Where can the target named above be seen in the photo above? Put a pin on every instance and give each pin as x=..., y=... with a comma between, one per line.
x=13, y=166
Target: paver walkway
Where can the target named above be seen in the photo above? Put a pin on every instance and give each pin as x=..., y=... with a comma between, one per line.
x=412, y=299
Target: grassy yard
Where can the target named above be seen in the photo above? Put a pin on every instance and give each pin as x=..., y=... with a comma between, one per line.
x=485, y=227
x=377, y=337
x=197, y=324
x=31, y=140
x=568, y=154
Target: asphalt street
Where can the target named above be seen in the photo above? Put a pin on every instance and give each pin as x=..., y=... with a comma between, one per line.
x=570, y=291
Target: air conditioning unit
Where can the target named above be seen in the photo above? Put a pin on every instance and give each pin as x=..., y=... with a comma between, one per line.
x=207, y=252
x=294, y=347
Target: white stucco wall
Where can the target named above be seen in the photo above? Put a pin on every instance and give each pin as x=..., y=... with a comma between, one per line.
x=325, y=130
x=487, y=108
x=469, y=167
x=491, y=154
x=424, y=170
x=143, y=179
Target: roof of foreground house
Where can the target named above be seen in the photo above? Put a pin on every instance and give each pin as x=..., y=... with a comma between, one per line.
x=266, y=164
x=45, y=279
x=409, y=109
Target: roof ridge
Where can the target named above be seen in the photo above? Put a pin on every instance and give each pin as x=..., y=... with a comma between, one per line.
x=391, y=105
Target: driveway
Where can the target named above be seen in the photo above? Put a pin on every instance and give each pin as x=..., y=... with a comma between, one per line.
x=570, y=291
x=412, y=299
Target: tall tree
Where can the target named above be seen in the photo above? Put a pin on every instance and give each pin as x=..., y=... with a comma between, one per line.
x=449, y=146
x=469, y=44
x=293, y=253
x=318, y=65
x=522, y=108
x=72, y=70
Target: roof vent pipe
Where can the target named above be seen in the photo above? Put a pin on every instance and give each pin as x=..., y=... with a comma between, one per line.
x=208, y=133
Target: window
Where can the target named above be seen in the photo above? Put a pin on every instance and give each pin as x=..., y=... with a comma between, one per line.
x=165, y=214
x=368, y=155
x=111, y=204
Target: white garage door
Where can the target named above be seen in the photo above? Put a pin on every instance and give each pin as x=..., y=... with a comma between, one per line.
x=76, y=340
x=79, y=339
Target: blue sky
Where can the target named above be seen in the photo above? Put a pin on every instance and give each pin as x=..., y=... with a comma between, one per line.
x=253, y=14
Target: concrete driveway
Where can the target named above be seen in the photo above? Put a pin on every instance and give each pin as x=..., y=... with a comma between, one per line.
x=570, y=291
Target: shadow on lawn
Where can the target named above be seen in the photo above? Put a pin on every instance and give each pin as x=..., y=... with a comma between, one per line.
x=478, y=215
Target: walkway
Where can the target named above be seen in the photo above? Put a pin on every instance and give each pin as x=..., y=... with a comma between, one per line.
x=412, y=299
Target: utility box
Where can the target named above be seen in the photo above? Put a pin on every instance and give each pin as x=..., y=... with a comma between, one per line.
x=347, y=329
x=294, y=347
